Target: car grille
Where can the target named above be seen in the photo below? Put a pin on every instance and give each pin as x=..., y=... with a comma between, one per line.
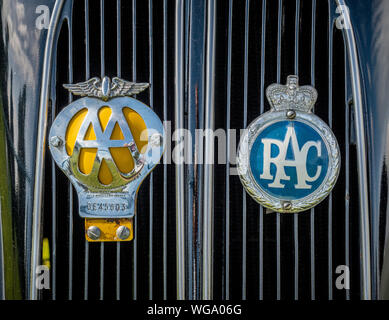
x=255, y=254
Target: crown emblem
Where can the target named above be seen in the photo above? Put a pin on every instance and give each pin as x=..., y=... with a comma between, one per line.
x=291, y=95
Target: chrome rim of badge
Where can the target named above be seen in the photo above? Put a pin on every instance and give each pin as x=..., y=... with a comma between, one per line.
x=288, y=159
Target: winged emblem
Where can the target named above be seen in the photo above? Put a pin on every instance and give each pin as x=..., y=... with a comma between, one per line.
x=106, y=89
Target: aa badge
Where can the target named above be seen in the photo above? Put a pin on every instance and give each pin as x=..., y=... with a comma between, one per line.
x=107, y=143
x=288, y=158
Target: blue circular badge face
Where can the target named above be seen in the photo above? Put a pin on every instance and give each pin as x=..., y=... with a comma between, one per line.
x=289, y=160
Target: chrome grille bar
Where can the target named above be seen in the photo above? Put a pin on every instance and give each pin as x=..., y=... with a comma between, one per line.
x=119, y=74
x=228, y=126
x=151, y=95
x=209, y=154
x=135, y=244
x=330, y=70
x=179, y=124
x=165, y=96
x=262, y=109
x=70, y=79
x=87, y=76
x=244, y=224
x=278, y=218
x=296, y=217
x=312, y=213
x=102, y=71
x=195, y=25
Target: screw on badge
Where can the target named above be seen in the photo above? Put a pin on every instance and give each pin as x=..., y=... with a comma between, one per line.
x=56, y=141
x=287, y=205
x=93, y=233
x=123, y=232
x=291, y=114
x=288, y=159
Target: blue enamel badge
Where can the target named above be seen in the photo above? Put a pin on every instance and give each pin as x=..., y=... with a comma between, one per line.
x=288, y=158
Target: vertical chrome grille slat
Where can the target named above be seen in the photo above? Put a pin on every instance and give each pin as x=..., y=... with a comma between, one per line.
x=70, y=79
x=135, y=244
x=86, y=268
x=228, y=125
x=119, y=74
x=102, y=271
x=262, y=109
x=87, y=76
x=190, y=215
x=330, y=70
x=278, y=216
x=151, y=95
x=209, y=154
x=165, y=95
x=312, y=213
x=296, y=217
x=179, y=124
x=195, y=25
x=244, y=204
x=102, y=71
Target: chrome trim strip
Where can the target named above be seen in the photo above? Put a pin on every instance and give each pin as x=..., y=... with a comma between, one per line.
x=53, y=194
x=209, y=154
x=179, y=124
x=347, y=162
x=40, y=150
x=366, y=292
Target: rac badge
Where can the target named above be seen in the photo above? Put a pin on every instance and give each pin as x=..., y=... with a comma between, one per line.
x=288, y=158
x=107, y=143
